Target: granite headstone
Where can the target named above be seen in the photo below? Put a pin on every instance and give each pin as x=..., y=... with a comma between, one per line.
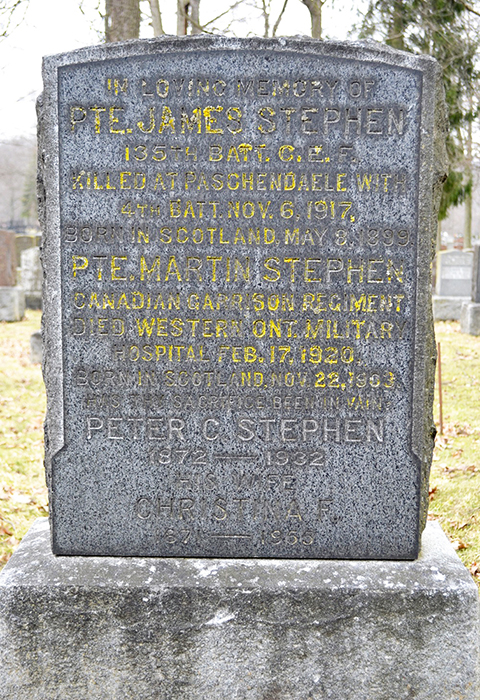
x=453, y=284
x=12, y=298
x=36, y=348
x=25, y=241
x=31, y=277
x=470, y=314
x=454, y=273
x=8, y=266
x=476, y=274
x=238, y=330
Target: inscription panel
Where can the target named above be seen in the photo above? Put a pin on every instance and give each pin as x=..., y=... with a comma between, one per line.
x=239, y=246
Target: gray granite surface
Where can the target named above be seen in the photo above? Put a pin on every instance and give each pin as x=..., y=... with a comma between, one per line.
x=12, y=303
x=454, y=273
x=476, y=274
x=92, y=628
x=8, y=267
x=448, y=308
x=239, y=348
x=470, y=318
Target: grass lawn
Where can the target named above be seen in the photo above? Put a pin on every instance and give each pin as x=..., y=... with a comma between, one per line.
x=23, y=495
x=455, y=479
x=455, y=476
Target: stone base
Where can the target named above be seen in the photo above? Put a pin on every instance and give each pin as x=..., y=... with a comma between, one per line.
x=33, y=300
x=470, y=318
x=36, y=348
x=448, y=308
x=12, y=303
x=96, y=628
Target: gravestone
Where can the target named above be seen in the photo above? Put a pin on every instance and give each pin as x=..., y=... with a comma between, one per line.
x=36, y=348
x=239, y=362
x=476, y=274
x=470, y=315
x=244, y=337
x=12, y=300
x=8, y=267
x=453, y=283
x=25, y=241
x=31, y=277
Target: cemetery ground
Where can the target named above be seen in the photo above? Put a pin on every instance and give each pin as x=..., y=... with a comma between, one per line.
x=455, y=478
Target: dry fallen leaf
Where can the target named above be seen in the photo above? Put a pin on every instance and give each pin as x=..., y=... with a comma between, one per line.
x=431, y=492
x=458, y=544
x=471, y=468
x=475, y=569
x=456, y=429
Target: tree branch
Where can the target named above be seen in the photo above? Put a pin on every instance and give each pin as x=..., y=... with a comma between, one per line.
x=222, y=14
x=266, y=18
x=469, y=7
x=275, y=26
x=10, y=9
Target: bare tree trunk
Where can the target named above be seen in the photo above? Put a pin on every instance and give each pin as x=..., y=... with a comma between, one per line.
x=156, y=18
x=122, y=20
x=195, y=16
x=188, y=15
x=182, y=17
x=266, y=19
x=279, y=18
x=315, y=9
x=467, y=232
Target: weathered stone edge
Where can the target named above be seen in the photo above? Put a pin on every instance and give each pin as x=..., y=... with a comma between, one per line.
x=438, y=570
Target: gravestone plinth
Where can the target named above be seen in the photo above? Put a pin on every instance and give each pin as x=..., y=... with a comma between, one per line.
x=12, y=298
x=470, y=315
x=238, y=328
x=453, y=284
x=78, y=628
x=12, y=303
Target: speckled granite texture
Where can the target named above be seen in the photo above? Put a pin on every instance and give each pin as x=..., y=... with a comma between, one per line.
x=239, y=349
x=91, y=628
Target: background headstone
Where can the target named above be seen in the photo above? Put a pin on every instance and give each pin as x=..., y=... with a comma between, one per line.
x=453, y=283
x=12, y=303
x=454, y=273
x=470, y=315
x=237, y=246
x=24, y=241
x=8, y=265
x=12, y=298
x=31, y=277
x=476, y=274
x=36, y=348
